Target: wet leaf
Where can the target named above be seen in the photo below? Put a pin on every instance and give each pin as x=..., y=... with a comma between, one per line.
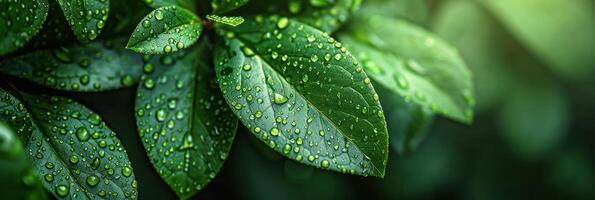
x=74, y=151
x=184, y=123
x=232, y=21
x=18, y=179
x=94, y=67
x=330, y=17
x=86, y=17
x=165, y=30
x=21, y=20
x=557, y=31
x=223, y=6
x=303, y=94
x=415, y=64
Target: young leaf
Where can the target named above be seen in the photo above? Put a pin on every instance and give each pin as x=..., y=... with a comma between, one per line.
x=223, y=6
x=232, y=21
x=557, y=31
x=415, y=64
x=21, y=20
x=165, y=30
x=188, y=4
x=304, y=95
x=78, y=156
x=86, y=17
x=97, y=66
x=18, y=179
x=408, y=122
x=185, y=124
x=328, y=18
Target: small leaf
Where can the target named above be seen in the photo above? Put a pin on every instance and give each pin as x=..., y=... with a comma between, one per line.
x=415, y=64
x=559, y=32
x=188, y=4
x=18, y=179
x=223, y=6
x=303, y=94
x=97, y=66
x=165, y=30
x=328, y=18
x=86, y=17
x=77, y=155
x=232, y=21
x=184, y=123
x=21, y=20
x=408, y=122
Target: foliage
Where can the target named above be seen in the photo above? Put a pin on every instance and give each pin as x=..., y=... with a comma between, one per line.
x=333, y=84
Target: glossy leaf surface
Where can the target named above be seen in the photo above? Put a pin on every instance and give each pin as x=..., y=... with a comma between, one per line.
x=301, y=92
x=77, y=155
x=21, y=20
x=86, y=17
x=97, y=66
x=185, y=124
x=165, y=30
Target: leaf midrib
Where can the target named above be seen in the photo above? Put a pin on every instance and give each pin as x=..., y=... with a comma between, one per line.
x=311, y=105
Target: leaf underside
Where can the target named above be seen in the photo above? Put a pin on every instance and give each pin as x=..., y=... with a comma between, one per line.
x=303, y=94
x=185, y=124
x=74, y=151
x=95, y=67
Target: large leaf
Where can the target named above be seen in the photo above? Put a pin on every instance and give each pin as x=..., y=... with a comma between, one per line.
x=408, y=122
x=86, y=17
x=78, y=156
x=185, y=124
x=165, y=30
x=188, y=4
x=18, y=179
x=21, y=20
x=558, y=31
x=331, y=16
x=303, y=94
x=415, y=64
x=222, y=6
x=97, y=66
x=413, y=10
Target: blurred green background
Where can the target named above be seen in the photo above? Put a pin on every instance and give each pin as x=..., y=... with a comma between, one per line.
x=532, y=137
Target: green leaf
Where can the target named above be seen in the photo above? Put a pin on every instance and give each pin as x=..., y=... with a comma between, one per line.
x=188, y=4
x=408, y=122
x=415, y=64
x=21, y=20
x=559, y=32
x=94, y=67
x=416, y=11
x=184, y=123
x=18, y=179
x=86, y=17
x=78, y=156
x=223, y=6
x=330, y=17
x=165, y=30
x=303, y=94
x=232, y=21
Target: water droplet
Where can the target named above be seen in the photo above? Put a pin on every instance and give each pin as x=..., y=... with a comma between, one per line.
x=158, y=15
x=325, y=164
x=92, y=180
x=82, y=134
x=62, y=190
x=126, y=171
x=282, y=23
x=275, y=132
x=161, y=115
x=279, y=98
x=247, y=67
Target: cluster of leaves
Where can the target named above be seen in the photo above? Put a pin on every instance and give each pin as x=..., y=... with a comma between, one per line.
x=284, y=71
